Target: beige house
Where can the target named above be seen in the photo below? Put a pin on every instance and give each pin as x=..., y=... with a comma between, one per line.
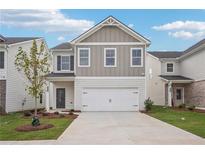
x=101, y=70
x=177, y=77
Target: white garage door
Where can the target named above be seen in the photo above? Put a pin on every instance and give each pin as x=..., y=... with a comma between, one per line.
x=110, y=99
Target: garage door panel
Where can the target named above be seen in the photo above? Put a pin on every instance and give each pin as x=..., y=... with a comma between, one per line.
x=102, y=99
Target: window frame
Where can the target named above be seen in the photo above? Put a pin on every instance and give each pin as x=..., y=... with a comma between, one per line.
x=63, y=70
x=167, y=67
x=62, y=63
x=115, y=57
x=131, y=57
x=79, y=65
x=4, y=60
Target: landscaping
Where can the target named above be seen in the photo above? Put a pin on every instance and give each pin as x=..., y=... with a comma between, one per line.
x=192, y=121
x=17, y=126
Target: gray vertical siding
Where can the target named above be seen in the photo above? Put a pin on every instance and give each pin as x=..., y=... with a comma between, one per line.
x=110, y=34
x=97, y=62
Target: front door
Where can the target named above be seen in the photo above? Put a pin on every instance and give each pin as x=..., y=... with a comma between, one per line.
x=179, y=96
x=60, y=98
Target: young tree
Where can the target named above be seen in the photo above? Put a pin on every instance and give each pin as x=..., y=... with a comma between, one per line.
x=34, y=65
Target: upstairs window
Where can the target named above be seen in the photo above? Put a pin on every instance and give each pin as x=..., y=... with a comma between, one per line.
x=136, y=57
x=84, y=57
x=170, y=67
x=110, y=57
x=65, y=63
x=1, y=60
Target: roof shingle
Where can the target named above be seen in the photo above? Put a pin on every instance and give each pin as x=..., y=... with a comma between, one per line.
x=174, y=77
x=166, y=54
x=65, y=45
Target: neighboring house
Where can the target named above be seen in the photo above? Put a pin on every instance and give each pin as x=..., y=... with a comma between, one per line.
x=177, y=77
x=12, y=82
x=101, y=70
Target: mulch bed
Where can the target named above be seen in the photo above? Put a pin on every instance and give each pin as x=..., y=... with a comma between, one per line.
x=55, y=115
x=185, y=109
x=29, y=127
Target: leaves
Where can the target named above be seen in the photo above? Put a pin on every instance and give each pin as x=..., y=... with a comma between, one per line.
x=35, y=65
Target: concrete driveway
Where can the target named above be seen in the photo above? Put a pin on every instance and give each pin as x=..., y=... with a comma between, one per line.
x=119, y=128
x=124, y=128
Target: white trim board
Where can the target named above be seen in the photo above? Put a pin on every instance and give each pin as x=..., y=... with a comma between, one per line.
x=110, y=77
x=110, y=43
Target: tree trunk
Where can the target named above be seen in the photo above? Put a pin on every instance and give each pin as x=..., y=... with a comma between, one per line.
x=35, y=114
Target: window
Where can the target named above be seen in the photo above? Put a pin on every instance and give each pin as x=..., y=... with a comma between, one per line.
x=136, y=58
x=84, y=57
x=1, y=60
x=65, y=63
x=170, y=67
x=110, y=57
x=41, y=99
x=179, y=94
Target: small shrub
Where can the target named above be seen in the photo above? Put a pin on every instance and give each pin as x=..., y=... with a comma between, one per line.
x=56, y=113
x=61, y=115
x=148, y=104
x=70, y=113
x=191, y=107
x=27, y=113
x=181, y=106
x=45, y=113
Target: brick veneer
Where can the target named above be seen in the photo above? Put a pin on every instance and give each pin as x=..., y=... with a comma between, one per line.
x=2, y=95
x=195, y=93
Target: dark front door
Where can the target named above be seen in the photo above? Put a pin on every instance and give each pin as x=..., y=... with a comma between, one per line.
x=60, y=98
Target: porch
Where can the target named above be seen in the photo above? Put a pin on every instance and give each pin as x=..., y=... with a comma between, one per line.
x=60, y=92
x=176, y=89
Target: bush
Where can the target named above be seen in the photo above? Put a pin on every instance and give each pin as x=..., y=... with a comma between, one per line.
x=56, y=113
x=27, y=113
x=181, y=106
x=148, y=104
x=191, y=107
x=70, y=113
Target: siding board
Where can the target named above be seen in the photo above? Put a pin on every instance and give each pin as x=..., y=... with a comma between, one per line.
x=97, y=62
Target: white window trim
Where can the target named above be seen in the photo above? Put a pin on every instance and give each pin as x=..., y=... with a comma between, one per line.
x=62, y=63
x=166, y=67
x=63, y=55
x=115, y=65
x=79, y=57
x=131, y=65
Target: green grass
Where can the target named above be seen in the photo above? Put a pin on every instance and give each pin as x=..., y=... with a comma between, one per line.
x=9, y=122
x=194, y=122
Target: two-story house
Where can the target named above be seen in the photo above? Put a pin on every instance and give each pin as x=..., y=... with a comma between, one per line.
x=103, y=69
x=177, y=77
x=13, y=96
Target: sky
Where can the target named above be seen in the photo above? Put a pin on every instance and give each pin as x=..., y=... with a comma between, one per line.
x=168, y=30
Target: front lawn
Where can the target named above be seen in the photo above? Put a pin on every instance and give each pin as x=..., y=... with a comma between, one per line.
x=188, y=120
x=9, y=122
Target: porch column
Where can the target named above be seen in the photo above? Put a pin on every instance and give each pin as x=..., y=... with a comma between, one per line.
x=169, y=93
x=47, y=96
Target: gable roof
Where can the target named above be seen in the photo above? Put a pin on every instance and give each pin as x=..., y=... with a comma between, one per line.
x=13, y=40
x=178, y=54
x=166, y=54
x=114, y=20
x=65, y=45
x=195, y=46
